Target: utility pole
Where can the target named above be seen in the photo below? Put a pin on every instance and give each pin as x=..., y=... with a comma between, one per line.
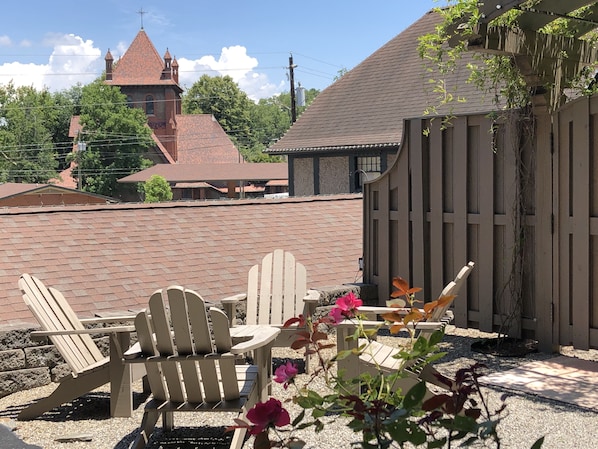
x=292, y=79
x=80, y=148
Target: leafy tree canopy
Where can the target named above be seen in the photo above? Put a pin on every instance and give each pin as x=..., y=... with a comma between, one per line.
x=252, y=126
x=157, y=189
x=221, y=97
x=116, y=139
x=26, y=124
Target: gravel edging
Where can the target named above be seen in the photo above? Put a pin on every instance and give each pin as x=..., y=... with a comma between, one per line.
x=527, y=417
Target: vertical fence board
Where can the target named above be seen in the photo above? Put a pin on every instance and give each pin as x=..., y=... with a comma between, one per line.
x=563, y=265
x=461, y=255
x=486, y=225
x=543, y=237
x=508, y=271
x=581, y=225
x=436, y=213
x=418, y=212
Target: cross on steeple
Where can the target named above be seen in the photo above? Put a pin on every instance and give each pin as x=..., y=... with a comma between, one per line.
x=141, y=12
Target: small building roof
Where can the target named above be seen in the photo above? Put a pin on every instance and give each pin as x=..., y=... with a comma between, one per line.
x=46, y=194
x=213, y=172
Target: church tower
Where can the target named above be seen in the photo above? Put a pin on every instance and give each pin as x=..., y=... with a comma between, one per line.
x=150, y=82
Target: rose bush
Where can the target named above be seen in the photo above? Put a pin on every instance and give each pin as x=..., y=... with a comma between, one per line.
x=371, y=404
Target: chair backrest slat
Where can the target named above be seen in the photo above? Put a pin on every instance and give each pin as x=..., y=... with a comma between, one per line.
x=265, y=294
x=54, y=313
x=280, y=294
x=195, y=364
x=451, y=289
x=147, y=344
x=253, y=292
x=275, y=289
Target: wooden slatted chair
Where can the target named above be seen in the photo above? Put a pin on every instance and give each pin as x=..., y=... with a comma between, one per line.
x=191, y=363
x=90, y=368
x=378, y=357
x=276, y=291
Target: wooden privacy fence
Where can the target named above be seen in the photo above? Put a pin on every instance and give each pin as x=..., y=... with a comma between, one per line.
x=519, y=197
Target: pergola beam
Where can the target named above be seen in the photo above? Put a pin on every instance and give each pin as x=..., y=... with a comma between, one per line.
x=545, y=60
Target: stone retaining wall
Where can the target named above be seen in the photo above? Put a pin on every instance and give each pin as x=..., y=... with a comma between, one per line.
x=27, y=363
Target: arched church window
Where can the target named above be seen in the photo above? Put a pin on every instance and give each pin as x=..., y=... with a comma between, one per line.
x=149, y=105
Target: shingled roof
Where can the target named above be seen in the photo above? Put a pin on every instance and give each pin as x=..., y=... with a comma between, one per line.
x=201, y=140
x=140, y=65
x=251, y=171
x=111, y=258
x=366, y=106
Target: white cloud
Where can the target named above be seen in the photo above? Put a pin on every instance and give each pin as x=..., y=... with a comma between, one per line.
x=234, y=62
x=74, y=60
x=5, y=41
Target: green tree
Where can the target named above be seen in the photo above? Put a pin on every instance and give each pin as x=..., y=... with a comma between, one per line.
x=157, y=189
x=252, y=126
x=222, y=97
x=116, y=138
x=26, y=150
x=270, y=120
x=66, y=105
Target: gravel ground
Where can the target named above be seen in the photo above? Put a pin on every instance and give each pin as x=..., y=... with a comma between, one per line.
x=527, y=417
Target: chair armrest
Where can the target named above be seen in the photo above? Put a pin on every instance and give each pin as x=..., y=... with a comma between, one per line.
x=312, y=296
x=421, y=325
x=261, y=336
x=98, y=330
x=234, y=299
x=111, y=319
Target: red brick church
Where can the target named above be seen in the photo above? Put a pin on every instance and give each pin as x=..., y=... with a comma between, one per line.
x=151, y=82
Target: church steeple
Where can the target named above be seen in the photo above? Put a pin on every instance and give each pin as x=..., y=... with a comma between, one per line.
x=175, y=71
x=109, y=60
x=167, y=71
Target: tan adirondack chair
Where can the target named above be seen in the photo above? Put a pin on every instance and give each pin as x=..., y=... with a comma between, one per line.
x=90, y=369
x=378, y=357
x=276, y=291
x=192, y=365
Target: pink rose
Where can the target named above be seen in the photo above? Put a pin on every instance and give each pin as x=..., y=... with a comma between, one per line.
x=346, y=307
x=285, y=374
x=267, y=414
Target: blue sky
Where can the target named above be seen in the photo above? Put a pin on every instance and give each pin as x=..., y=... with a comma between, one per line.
x=56, y=44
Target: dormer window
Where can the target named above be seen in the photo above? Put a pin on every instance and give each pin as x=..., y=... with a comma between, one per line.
x=149, y=105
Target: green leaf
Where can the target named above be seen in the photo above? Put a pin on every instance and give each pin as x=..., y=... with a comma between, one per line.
x=299, y=418
x=415, y=395
x=538, y=444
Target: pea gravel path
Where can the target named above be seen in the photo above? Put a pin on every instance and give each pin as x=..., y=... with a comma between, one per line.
x=527, y=417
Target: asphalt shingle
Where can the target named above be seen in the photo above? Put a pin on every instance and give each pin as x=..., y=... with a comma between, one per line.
x=112, y=257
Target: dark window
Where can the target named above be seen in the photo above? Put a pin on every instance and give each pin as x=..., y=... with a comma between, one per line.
x=367, y=168
x=149, y=105
x=129, y=101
